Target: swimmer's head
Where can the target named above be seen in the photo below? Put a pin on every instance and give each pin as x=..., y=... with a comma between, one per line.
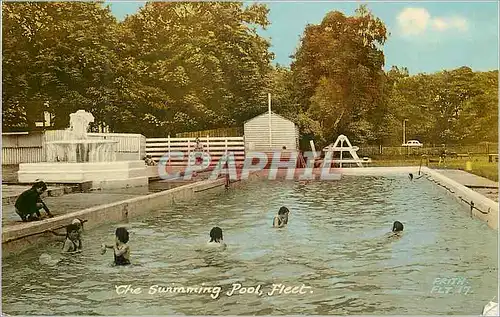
x=410, y=176
x=72, y=231
x=283, y=211
x=77, y=222
x=121, y=235
x=216, y=234
x=397, y=226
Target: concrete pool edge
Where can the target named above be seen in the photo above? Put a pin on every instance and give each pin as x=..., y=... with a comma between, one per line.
x=484, y=209
x=462, y=193
x=18, y=238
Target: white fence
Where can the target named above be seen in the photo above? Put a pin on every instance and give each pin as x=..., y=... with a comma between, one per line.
x=24, y=147
x=16, y=155
x=215, y=146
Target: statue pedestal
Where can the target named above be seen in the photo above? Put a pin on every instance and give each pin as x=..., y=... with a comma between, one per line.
x=105, y=175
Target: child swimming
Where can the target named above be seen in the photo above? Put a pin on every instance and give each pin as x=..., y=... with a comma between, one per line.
x=121, y=249
x=216, y=238
x=71, y=243
x=282, y=218
x=410, y=176
x=397, y=228
x=79, y=224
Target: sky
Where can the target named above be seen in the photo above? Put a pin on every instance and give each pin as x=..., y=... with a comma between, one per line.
x=425, y=36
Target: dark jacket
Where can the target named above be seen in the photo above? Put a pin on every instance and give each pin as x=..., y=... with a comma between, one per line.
x=26, y=202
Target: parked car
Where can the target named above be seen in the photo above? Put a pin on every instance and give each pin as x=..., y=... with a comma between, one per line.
x=413, y=143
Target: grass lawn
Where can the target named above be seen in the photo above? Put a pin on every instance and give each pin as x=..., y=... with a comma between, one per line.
x=479, y=163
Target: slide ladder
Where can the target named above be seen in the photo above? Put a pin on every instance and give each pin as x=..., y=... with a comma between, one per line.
x=338, y=146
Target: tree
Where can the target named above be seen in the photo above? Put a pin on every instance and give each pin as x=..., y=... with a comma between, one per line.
x=195, y=65
x=58, y=54
x=447, y=107
x=338, y=74
x=478, y=117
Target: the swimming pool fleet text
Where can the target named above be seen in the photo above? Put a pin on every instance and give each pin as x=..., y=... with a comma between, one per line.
x=216, y=291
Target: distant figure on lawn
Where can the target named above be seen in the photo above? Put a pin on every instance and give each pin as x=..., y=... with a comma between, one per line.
x=29, y=203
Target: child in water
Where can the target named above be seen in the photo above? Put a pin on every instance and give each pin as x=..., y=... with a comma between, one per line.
x=79, y=225
x=282, y=218
x=121, y=249
x=397, y=228
x=72, y=241
x=410, y=176
x=216, y=239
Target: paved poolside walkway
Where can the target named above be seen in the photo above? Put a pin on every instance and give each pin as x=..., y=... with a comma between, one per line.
x=68, y=203
x=60, y=203
x=479, y=184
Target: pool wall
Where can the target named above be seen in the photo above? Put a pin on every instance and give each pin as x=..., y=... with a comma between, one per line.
x=485, y=208
x=18, y=238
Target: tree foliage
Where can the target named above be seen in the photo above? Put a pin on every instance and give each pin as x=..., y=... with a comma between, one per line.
x=187, y=66
x=169, y=68
x=449, y=107
x=196, y=65
x=57, y=56
x=338, y=73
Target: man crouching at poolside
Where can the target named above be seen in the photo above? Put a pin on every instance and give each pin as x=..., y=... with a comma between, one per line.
x=29, y=203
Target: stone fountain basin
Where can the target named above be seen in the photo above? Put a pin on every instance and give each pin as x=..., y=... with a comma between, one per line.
x=81, y=150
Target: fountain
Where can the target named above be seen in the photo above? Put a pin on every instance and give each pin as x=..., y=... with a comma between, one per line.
x=80, y=158
x=76, y=147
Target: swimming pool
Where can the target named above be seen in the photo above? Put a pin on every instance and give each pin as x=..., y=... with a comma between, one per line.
x=335, y=244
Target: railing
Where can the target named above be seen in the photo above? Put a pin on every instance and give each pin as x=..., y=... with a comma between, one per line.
x=16, y=155
x=427, y=150
x=215, y=146
x=22, y=147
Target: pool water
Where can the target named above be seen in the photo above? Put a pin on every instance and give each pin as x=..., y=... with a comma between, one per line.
x=335, y=247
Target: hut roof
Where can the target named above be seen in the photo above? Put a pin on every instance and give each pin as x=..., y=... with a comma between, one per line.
x=267, y=113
